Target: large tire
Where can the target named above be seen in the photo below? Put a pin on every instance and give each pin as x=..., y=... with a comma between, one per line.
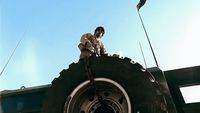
x=139, y=84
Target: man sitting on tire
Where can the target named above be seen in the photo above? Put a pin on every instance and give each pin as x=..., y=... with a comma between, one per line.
x=92, y=44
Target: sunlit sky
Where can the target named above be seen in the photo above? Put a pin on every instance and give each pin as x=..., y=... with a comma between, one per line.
x=190, y=94
x=53, y=29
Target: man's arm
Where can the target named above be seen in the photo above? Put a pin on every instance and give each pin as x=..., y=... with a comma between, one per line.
x=86, y=44
x=102, y=50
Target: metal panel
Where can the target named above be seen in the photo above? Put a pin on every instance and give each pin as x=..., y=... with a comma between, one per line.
x=28, y=100
x=183, y=77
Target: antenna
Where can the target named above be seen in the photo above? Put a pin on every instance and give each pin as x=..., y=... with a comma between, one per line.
x=141, y=3
x=12, y=54
x=143, y=55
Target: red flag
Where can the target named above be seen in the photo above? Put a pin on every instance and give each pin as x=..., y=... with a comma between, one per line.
x=140, y=4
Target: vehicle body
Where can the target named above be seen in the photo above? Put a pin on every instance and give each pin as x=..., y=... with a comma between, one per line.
x=33, y=100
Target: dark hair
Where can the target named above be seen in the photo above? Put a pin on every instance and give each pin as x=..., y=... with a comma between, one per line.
x=100, y=28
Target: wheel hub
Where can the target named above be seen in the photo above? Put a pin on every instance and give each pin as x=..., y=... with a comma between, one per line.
x=107, y=97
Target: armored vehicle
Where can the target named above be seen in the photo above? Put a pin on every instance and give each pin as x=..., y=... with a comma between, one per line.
x=106, y=84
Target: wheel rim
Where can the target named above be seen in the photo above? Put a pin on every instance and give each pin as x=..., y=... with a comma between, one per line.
x=110, y=97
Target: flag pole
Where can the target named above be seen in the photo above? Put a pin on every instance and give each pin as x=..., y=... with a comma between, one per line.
x=141, y=3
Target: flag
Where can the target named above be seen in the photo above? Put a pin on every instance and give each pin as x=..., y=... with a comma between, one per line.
x=140, y=4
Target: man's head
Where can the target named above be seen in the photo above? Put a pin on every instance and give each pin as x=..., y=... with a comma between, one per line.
x=99, y=31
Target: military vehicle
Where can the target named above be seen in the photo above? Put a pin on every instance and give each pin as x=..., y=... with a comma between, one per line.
x=107, y=84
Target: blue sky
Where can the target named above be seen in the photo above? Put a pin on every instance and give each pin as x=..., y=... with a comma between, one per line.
x=53, y=30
